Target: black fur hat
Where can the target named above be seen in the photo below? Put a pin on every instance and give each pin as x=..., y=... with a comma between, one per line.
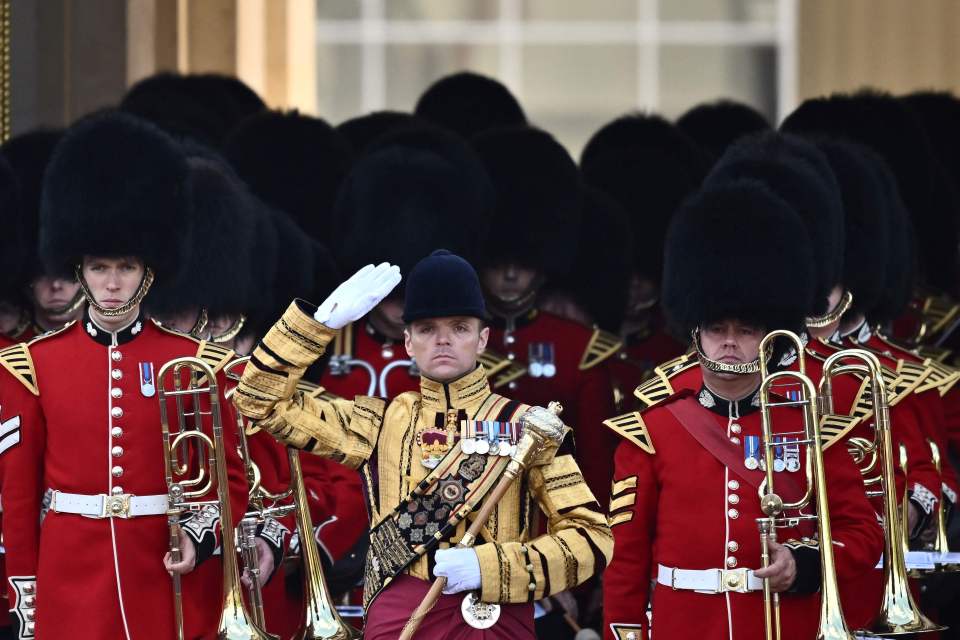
x=866, y=216
x=538, y=200
x=15, y=250
x=736, y=250
x=939, y=113
x=362, y=131
x=28, y=155
x=415, y=191
x=218, y=274
x=263, y=309
x=469, y=103
x=293, y=162
x=165, y=100
x=648, y=166
x=898, y=290
x=801, y=176
x=116, y=186
x=714, y=126
x=890, y=128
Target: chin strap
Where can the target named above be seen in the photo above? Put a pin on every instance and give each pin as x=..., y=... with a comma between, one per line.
x=834, y=315
x=230, y=333
x=741, y=368
x=71, y=307
x=124, y=309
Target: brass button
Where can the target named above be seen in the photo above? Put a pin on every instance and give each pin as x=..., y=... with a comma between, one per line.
x=633, y=636
x=530, y=568
x=733, y=514
x=30, y=615
x=532, y=586
x=116, y=452
x=116, y=392
x=116, y=432
x=733, y=498
x=735, y=428
x=732, y=546
x=512, y=386
x=731, y=562
x=30, y=627
x=510, y=339
x=116, y=412
x=735, y=440
x=733, y=485
x=733, y=580
x=116, y=374
x=117, y=491
x=116, y=356
x=116, y=472
x=28, y=588
x=29, y=601
x=511, y=356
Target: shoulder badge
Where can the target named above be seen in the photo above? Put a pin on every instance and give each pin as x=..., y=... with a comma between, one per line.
x=602, y=345
x=833, y=428
x=658, y=388
x=632, y=427
x=493, y=362
x=505, y=375
x=214, y=355
x=16, y=359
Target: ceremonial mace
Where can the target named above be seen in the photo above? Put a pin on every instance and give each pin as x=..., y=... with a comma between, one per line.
x=541, y=428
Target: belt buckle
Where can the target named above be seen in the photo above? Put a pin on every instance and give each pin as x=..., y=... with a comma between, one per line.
x=733, y=580
x=116, y=506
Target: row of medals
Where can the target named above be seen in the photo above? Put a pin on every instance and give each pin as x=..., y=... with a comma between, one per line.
x=498, y=445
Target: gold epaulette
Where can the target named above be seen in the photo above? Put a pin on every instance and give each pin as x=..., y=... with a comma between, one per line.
x=834, y=427
x=214, y=355
x=505, y=370
x=632, y=427
x=602, y=345
x=937, y=354
x=937, y=313
x=493, y=362
x=16, y=359
x=907, y=379
x=658, y=388
x=940, y=377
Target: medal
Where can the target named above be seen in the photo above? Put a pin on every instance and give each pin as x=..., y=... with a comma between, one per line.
x=148, y=386
x=482, y=444
x=779, y=463
x=549, y=362
x=751, y=452
x=791, y=454
x=535, y=359
x=478, y=614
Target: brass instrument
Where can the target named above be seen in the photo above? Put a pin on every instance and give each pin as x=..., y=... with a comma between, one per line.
x=194, y=384
x=832, y=625
x=321, y=620
x=940, y=543
x=899, y=613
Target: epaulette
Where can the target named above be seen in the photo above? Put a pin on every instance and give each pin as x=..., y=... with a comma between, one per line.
x=504, y=372
x=937, y=312
x=16, y=359
x=935, y=374
x=602, y=345
x=51, y=333
x=937, y=354
x=214, y=355
x=942, y=376
x=897, y=384
x=658, y=388
x=834, y=427
x=632, y=427
x=493, y=362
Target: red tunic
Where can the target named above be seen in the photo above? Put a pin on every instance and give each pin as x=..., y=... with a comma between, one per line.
x=586, y=393
x=360, y=342
x=677, y=505
x=93, y=428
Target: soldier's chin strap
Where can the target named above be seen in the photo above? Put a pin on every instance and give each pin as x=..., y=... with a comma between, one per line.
x=232, y=332
x=125, y=308
x=834, y=315
x=71, y=306
x=741, y=368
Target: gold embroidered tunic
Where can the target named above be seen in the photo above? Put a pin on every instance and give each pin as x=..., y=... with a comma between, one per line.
x=381, y=442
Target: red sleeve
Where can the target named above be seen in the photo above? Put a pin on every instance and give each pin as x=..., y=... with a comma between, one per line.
x=923, y=481
x=633, y=516
x=22, y=444
x=951, y=410
x=336, y=504
x=595, y=444
x=857, y=535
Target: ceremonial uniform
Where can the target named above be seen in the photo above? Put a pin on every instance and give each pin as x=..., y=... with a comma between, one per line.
x=665, y=517
x=93, y=473
x=414, y=510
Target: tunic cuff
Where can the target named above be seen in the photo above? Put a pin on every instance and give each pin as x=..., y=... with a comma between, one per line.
x=809, y=574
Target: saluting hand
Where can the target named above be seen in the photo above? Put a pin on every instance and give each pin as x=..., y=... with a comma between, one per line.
x=188, y=557
x=358, y=295
x=782, y=570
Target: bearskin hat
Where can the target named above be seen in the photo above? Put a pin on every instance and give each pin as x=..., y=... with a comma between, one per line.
x=28, y=155
x=714, y=126
x=217, y=275
x=866, y=224
x=262, y=310
x=15, y=249
x=890, y=128
x=293, y=162
x=901, y=256
x=801, y=176
x=295, y=260
x=538, y=200
x=116, y=185
x=415, y=191
x=363, y=131
x=648, y=166
x=736, y=250
x=939, y=113
x=600, y=279
x=469, y=103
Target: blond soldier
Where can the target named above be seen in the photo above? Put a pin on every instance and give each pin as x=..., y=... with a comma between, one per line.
x=427, y=454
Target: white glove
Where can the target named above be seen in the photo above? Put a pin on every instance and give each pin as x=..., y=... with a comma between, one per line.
x=358, y=295
x=461, y=568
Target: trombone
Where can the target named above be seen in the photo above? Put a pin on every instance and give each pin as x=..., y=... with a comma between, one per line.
x=899, y=613
x=320, y=619
x=194, y=386
x=832, y=625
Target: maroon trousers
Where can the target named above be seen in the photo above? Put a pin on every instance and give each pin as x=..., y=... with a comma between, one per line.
x=392, y=608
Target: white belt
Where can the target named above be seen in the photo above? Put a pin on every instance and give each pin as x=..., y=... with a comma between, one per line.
x=102, y=505
x=709, y=580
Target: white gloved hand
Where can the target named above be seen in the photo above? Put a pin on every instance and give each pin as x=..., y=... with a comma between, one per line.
x=358, y=295
x=461, y=568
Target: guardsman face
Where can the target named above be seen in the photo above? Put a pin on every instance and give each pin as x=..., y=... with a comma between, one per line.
x=446, y=348
x=731, y=341
x=112, y=281
x=51, y=294
x=182, y=321
x=509, y=283
x=836, y=294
